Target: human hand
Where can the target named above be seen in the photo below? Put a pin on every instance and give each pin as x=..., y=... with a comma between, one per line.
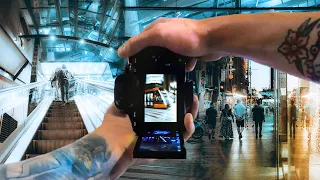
x=182, y=36
x=118, y=132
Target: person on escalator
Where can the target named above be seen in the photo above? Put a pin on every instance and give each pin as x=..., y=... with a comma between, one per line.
x=55, y=83
x=64, y=77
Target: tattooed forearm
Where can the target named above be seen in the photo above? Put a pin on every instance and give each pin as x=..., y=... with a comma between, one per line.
x=301, y=47
x=86, y=158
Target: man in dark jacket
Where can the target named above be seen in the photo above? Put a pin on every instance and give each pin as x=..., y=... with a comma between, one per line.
x=64, y=76
x=258, y=118
x=211, y=117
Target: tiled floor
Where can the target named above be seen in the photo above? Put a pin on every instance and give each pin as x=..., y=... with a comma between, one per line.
x=248, y=158
x=305, y=154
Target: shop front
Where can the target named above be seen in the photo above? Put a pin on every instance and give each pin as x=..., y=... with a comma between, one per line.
x=297, y=111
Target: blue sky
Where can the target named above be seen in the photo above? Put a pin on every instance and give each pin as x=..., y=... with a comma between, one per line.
x=261, y=76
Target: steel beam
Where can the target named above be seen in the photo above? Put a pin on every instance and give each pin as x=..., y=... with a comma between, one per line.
x=116, y=24
x=75, y=13
x=66, y=38
x=33, y=18
x=20, y=70
x=102, y=18
x=58, y=12
x=206, y=9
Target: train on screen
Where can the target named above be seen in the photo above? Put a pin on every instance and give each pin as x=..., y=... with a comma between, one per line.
x=157, y=98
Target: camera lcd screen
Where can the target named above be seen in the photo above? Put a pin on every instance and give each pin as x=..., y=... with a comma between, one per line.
x=160, y=140
x=160, y=98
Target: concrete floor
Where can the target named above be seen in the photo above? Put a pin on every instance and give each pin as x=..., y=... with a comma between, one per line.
x=248, y=158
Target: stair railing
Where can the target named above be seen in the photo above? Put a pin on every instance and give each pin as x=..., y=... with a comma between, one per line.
x=27, y=103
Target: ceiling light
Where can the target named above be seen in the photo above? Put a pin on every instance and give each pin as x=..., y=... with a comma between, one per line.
x=52, y=38
x=81, y=41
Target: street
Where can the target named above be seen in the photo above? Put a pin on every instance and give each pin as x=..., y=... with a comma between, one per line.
x=161, y=115
x=248, y=158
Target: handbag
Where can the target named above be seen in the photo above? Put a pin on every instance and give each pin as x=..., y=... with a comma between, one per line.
x=229, y=118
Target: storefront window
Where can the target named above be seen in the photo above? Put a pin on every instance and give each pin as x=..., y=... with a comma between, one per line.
x=298, y=112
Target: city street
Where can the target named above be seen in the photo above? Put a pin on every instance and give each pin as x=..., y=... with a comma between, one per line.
x=161, y=115
x=249, y=158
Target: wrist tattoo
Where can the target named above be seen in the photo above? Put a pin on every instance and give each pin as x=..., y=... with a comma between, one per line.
x=297, y=49
x=86, y=158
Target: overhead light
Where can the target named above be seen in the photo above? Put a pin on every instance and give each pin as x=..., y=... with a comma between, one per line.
x=52, y=38
x=81, y=41
x=46, y=31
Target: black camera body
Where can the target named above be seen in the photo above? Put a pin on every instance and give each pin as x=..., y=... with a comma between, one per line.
x=154, y=93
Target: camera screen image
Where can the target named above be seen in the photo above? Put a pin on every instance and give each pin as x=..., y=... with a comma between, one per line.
x=160, y=141
x=160, y=98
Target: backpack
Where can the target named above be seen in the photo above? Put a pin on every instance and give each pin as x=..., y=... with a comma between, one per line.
x=63, y=75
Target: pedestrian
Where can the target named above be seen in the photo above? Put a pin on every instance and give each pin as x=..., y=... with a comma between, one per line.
x=258, y=118
x=240, y=113
x=211, y=117
x=303, y=118
x=64, y=77
x=226, y=120
x=55, y=83
x=292, y=118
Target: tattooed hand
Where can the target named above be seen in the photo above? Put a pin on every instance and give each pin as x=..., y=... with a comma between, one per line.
x=105, y=153
x=120, y=137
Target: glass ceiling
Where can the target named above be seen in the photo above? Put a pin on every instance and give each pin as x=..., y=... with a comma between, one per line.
x=111, y=22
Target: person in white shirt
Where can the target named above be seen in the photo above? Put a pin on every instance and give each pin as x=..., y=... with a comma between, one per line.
x=239, y=113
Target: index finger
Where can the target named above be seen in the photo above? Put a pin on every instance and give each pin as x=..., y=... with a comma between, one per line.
x=139, y=42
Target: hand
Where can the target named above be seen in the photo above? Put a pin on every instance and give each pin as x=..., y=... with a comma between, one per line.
x=183, y=36
x=117, y=130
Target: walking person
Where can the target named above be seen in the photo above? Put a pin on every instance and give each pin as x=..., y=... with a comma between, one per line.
x=303, y=119
x=240, y=112
x=64, y=77
x=211, y=117
x=258, y=118
x=226, y=120
x=292, y=118
x=55, y=83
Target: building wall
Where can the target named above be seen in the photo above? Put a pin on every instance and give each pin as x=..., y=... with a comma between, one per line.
x=18, y=51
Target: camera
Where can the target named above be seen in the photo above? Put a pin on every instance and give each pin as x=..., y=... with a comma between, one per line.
x=154, y=93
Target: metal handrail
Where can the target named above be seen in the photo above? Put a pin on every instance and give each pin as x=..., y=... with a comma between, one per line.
x=20, y=88
x=102, y=85
x=11, y=142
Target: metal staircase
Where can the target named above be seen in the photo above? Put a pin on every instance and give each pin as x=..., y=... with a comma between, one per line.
x=61, y=126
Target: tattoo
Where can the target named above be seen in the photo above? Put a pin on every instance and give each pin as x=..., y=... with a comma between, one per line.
x=296, y=49
x=86, y=158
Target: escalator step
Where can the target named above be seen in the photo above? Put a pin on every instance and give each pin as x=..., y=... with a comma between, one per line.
x=61, y=134
x=45, y=146
x=63, y=114
x=62, y=125
x=63, y=119
x=28, y=156
x=60, y=110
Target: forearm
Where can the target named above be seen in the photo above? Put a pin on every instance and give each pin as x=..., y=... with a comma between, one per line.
x=89, y=157
x=264, y=38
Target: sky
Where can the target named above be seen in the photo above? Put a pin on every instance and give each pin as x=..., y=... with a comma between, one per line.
x=261, y=76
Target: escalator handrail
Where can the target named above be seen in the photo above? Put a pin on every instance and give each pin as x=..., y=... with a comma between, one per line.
x=11, y=142
x=102, y=85
x=23, y=87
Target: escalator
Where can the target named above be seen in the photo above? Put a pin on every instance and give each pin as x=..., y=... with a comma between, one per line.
x=61, y=126
x=47, y=125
